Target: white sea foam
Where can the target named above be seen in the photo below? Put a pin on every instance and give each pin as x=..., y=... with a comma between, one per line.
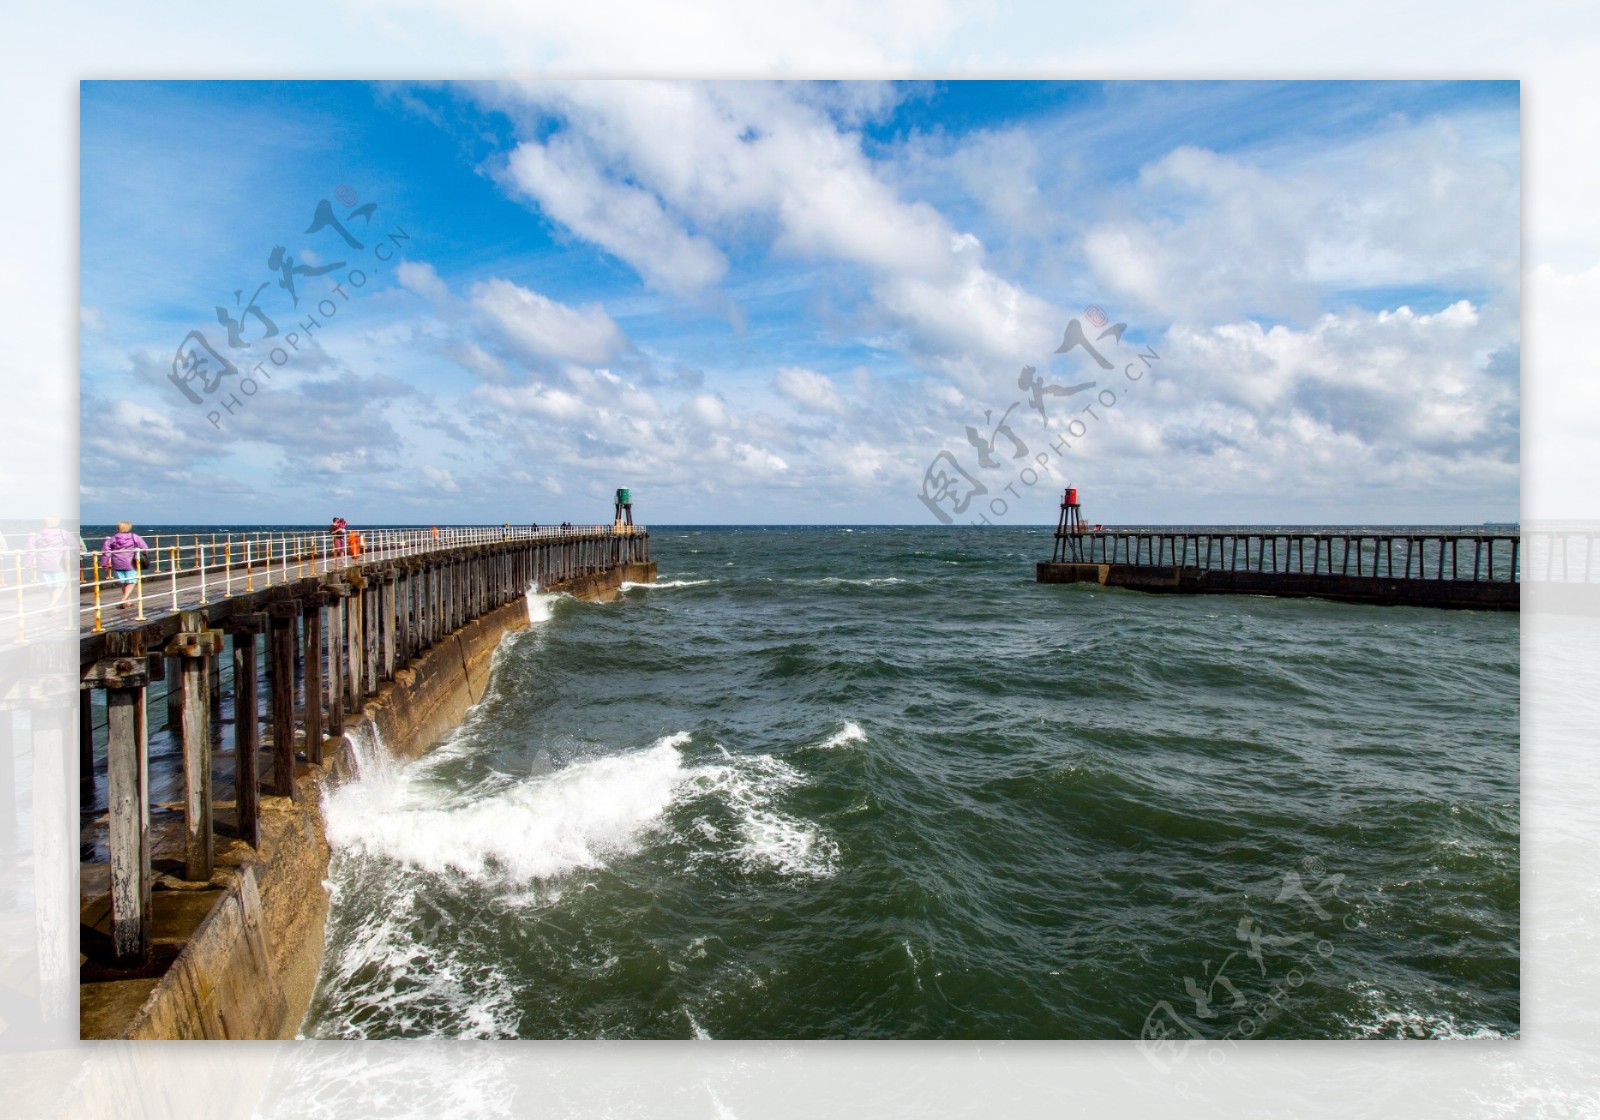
x=527, y=830
x=629, y=585
x=852, y=733
x=699, y=1033
x=412, y=986
x=541, y=604
x=874, y=581
x=1405, y=1023
x=767, y=838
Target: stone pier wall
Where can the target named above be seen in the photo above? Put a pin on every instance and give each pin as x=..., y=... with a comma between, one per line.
x=248, y=969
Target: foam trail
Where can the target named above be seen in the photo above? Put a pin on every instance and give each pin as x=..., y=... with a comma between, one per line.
x=629, y=585
x=748, y=785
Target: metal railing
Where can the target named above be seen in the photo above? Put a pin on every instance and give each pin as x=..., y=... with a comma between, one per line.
x=1465, y=556
x=193, y=569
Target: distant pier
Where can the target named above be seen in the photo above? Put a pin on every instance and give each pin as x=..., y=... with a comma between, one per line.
x=1461, y=570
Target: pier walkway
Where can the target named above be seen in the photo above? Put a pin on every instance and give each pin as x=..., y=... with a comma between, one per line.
x=243, y=660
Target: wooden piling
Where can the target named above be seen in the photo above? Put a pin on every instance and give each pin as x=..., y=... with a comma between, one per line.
x=126, y=681
x=336, y=654
x=391, y=617
x=247, y=726
x=280, y=678
x=194, y=648
x=311, y=616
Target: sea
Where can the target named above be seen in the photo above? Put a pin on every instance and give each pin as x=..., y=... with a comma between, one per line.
x=863, y=782
x=876, y=783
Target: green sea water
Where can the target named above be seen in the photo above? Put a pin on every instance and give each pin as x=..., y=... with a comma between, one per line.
x=877, y=783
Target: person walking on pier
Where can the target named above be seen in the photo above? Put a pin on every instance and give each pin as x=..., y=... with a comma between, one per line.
x=338, y=531
x=122, y=552
x=48, y=550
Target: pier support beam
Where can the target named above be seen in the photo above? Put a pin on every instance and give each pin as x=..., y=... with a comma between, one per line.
x=313, y=681
x=334, y=600
x=193, y=648
x=126, y=680
x=247, y=725
x=280, y=678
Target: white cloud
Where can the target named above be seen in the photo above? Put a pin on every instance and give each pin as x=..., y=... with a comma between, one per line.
x=651, y=171
x=441, y=480
x=420, y=277
x=624, y=220
x=1206, y=235
x=542, y=327
x=810, y=390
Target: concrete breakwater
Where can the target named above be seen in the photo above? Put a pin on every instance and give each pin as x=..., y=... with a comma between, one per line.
x=207, y=919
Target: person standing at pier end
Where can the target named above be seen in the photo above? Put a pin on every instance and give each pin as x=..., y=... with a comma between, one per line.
x=123, y=552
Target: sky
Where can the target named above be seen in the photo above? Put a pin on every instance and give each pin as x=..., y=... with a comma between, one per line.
x=773, y=302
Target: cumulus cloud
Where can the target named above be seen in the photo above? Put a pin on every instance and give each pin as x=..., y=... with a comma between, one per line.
x=649, y=171
x=1209, y=235
x=542, y=327
x=627, y=222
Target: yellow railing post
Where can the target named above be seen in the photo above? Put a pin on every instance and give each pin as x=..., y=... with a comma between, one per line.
x=97, y=626
x=138, y=585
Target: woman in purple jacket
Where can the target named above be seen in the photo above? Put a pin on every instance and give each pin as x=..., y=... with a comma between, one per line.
x=51, y=551
x=122, y=551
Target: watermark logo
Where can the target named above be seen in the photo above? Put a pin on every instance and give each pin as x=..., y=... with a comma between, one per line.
x=1238, y=996
x=216, y=379
x=950, y=490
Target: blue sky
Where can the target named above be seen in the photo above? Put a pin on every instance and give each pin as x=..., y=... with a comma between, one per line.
x=775, y=302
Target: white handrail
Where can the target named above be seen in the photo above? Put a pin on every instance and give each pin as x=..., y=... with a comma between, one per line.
x=266, y=557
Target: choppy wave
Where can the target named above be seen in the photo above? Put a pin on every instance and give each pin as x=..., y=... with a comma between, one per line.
x=884, y=785
x=851, y=733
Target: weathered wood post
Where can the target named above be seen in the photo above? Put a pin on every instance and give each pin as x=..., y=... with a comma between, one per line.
x=126, y=680
x=403, y=587
x=352, y=648
x=280, y=678
x=312, y=622
x=334, y=598
x=194, y=648
x=246, y=725
x=391, y=618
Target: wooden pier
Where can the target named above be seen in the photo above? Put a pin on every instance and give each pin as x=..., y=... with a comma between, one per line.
x=312, y=634
x=1462, y=570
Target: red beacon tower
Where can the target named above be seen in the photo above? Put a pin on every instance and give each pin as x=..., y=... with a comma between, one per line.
x=1069, y=530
